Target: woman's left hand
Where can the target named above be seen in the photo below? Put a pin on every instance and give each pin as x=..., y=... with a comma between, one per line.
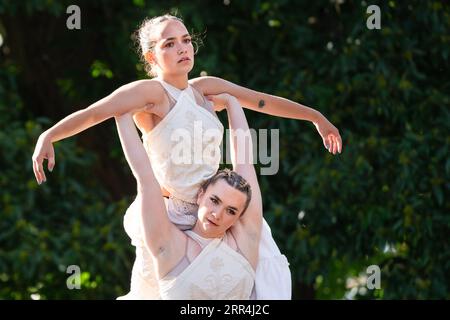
x=330, y=135
x=220, y=100
x=218, y=108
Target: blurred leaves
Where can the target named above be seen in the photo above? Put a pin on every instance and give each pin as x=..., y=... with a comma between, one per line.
x=383, y=201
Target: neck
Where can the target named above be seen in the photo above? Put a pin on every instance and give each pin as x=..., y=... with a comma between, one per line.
x=178, y=81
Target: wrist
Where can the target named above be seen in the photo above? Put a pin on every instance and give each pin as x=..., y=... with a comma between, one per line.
x=316, y=117
x=46, y=136
x=231, y=102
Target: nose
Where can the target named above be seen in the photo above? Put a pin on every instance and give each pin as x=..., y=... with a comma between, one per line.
x=182, y=49
x=217, y=214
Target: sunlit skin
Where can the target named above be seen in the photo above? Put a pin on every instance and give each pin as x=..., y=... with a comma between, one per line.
x=147, y=100
x=220, y=206
x=173, y=42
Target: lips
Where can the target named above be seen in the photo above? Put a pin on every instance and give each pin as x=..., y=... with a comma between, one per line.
x=212, y=222
x=184, y=59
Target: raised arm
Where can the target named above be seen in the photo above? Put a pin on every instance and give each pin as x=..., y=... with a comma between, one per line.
x=242, y=158
x=275, y=106
x=156, y=225
x=127, y=98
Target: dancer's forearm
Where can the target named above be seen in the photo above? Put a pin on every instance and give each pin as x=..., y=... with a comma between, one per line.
x=156, y=225
x=240, y=138
x=129, y=98
x=281, y=107
x=242, y=159
x=258, y=101
x=125, y=99
x=273, y=105
x=71, y=125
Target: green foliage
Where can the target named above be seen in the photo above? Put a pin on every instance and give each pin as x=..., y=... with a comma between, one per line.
x=69, y=220
x=383, y=201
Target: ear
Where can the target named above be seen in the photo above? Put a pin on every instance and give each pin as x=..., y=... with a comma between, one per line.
x=150, y=57
x=200, y=196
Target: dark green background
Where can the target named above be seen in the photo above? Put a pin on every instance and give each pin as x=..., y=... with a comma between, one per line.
x=382, y=201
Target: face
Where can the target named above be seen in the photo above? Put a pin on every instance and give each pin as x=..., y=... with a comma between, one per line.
x=173, y=52
x=219, y=207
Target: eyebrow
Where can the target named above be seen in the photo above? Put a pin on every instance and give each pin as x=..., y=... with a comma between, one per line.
x=173, y=38
x=218, y=199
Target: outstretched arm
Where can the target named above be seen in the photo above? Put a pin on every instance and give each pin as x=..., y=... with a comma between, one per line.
x=155, y=221
x=273, y=105
x=129, y=97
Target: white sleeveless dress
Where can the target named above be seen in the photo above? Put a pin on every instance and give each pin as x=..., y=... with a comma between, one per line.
x=180, y=173
x=217, y=273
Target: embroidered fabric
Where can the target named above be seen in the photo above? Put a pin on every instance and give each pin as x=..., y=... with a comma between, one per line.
x=218, y=272
x=183, y=214
x=184, y=147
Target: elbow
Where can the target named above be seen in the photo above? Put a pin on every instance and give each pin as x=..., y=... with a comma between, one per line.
x=96, y=115
x=107, y=108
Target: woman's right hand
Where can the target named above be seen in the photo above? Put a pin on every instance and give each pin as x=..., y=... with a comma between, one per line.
x=43, y=150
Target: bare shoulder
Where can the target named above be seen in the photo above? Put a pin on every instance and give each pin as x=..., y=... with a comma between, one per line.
x=207, y=84
x=214, y=85
x=149, y=88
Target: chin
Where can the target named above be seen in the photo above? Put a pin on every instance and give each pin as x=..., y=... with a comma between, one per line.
x=190, y=68
x=210, y=230
x=189, y=65
x=208, y=233
x=183, y=70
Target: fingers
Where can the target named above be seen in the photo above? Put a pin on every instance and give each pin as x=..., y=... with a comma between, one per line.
x=325, y=143
x=335, y=145
x=148, y=107
x=330, y=143
x=217, y=101
x=51, y=159
x=51, y=163
x=38, y=168
x=36, y=171
x=217, y=98
x=339, y=143
x=43, y=178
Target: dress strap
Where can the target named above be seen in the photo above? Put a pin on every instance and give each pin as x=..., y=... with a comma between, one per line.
x=190, y=92
x=200, y=94
x=171, y=90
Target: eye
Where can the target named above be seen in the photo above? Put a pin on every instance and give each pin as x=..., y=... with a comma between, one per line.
x=232, y=212
x=213, y=200
x=187, y=40
x=169, y=45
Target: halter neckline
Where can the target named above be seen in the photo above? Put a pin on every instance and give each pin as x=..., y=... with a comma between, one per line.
x=173, y=87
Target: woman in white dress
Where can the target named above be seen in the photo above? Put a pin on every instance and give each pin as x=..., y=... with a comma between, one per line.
x=218, y=258
x=167, y=48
